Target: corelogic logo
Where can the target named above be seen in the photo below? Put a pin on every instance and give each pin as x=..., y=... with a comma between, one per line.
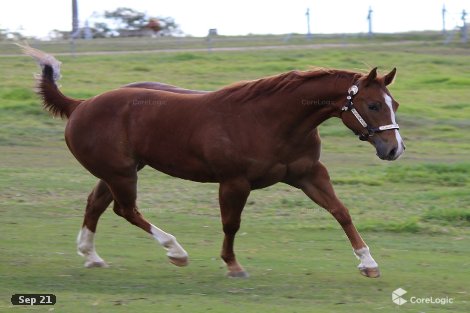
x=397, y=296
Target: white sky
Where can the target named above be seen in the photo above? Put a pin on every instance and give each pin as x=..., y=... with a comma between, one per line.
x=240, y=17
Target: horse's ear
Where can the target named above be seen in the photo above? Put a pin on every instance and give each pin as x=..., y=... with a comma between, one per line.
x=371, y=77
x=388, y=79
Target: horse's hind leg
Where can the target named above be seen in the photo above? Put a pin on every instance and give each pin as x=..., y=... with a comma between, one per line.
x=98, y=200
x=124, y=190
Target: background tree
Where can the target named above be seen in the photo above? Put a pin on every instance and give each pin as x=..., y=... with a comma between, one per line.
x=6, y=34
x=169, y=27
x=128, y=19
x=102, y=30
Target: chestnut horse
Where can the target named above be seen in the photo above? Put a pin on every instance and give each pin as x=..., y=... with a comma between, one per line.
x=245, y=136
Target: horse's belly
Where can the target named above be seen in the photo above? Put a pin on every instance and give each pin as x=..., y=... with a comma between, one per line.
x=186, y=168
x=269, y=177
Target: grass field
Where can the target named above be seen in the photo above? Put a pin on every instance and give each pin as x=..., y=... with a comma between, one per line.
x=414, y=213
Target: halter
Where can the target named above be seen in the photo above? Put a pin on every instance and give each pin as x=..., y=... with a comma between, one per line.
x=352, y=91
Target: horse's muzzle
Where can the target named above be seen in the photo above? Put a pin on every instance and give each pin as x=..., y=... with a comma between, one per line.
x=389, y=152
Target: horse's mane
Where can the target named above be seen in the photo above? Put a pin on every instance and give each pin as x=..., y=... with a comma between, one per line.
x=250, y=90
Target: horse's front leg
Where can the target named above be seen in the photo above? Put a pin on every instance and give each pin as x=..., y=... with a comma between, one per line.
x=318, y=187
x=232, y=197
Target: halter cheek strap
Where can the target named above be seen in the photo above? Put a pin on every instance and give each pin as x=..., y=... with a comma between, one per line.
x=352, y=91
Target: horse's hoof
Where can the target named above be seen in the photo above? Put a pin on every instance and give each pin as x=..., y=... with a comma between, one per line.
x=178, y=261
x=372, y=272
x=240, y=274
x=92, y=264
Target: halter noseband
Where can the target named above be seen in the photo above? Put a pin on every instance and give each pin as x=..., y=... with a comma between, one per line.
x=352, y=91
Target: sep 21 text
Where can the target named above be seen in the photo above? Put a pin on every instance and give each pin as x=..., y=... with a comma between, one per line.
x=33, y=299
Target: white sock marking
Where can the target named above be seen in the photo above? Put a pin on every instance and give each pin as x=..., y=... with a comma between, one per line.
x=366, y=259
x=86, y=248
x=168, y=241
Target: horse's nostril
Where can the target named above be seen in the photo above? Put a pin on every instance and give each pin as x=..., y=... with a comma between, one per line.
x=392, y=153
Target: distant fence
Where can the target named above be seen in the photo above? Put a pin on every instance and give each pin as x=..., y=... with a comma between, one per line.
x=227, y=42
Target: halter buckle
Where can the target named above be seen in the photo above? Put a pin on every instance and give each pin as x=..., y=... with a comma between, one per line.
x=353, y=90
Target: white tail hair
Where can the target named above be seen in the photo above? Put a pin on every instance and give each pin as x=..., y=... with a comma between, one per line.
x=53, y=100
x=43, y=59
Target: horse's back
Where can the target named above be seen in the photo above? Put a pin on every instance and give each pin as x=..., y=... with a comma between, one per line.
x=164, y=87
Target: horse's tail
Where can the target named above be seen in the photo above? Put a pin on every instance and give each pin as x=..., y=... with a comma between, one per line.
x=53, y=100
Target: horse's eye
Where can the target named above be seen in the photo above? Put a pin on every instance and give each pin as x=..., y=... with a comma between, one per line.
x=373, y=107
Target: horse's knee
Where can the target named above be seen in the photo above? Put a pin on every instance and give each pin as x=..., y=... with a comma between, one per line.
x=230, y=228
x=342, y=216
x=117, y=210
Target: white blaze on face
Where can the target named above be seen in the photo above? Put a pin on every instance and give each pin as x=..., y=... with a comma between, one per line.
x=401, y=144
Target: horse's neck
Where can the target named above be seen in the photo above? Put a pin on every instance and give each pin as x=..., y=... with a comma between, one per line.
x=303, y=109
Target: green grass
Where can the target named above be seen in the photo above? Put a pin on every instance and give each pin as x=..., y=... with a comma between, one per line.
x=413, y=213
x=434, y=173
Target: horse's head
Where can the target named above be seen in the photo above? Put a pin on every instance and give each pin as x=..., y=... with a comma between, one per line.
x=370, y=113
